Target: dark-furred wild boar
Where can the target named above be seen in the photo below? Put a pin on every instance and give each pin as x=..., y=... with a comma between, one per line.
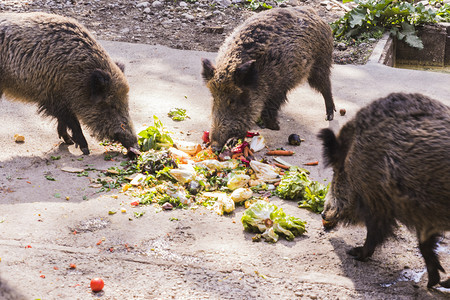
x=55, y=62
x=391, y=164
x=271, y=53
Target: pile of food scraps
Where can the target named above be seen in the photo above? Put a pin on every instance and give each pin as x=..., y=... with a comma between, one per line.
x=178, y=174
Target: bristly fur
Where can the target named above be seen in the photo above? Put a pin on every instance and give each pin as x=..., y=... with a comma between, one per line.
x=391, y=164
x=271, y=53
x=330, y=146
x=55, y=62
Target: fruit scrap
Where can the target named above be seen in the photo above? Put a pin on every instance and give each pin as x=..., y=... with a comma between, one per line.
x=240, y=147
x=251, y=134
x=280, y=152
x=294, y=139
x=97, y=284
x=19, y=138
x=205, y=136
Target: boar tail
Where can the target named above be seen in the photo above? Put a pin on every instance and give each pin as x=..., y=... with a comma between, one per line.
x=331, y=147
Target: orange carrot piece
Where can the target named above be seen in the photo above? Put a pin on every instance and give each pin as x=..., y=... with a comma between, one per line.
x=280, y=152
x=246, y=151
x=313, y=163
x=281, y=166
x=236, y=155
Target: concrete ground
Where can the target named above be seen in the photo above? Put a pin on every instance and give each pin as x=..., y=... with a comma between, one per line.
x=199, y=255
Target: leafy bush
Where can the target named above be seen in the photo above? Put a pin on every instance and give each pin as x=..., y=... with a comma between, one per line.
x=261, y=5
x=400, y=18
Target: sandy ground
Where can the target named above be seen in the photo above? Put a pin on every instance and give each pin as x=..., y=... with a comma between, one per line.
x=189, y=254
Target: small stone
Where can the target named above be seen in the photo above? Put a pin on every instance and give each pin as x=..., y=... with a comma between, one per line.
x=167, y=206
x=213, y=29
x=147, y=10
x=183, y=4
x=157, y=4
x=188, y=17
x=342, y=111
x=223, y=3
x=142, y=4
x=341, y=46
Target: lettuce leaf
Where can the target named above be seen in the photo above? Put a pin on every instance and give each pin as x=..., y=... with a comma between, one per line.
x=264, y=217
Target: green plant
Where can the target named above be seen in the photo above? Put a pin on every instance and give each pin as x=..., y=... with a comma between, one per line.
x=257, y=5
x=155, y=137
x=400, y=18
x=178, y=114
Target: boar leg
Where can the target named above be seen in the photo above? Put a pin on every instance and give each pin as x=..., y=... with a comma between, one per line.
x=66, y=120
x=269, y=115
x=62, y=132
x=377, y=231
x=319, y=79
x=431, y=259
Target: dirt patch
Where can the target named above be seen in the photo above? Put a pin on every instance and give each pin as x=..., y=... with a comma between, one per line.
x=188, y=25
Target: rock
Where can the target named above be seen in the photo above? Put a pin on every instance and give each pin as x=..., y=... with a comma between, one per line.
x=183, y=4
x=223, y=3
x=72, y=170
x=142, y=4
x=341, y=46
x=213, y=29
x=188, y=17
x=218, y=12
x=147, y=10
x=157, y=4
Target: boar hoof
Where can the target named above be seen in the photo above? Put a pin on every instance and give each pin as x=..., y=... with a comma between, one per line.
x=446, y=283
x=85, y=151
x=358, y=253
x=329, y=117
x=433, y=277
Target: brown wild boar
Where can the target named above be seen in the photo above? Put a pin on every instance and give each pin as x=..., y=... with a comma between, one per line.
x=391, y=164
x=271, y=53
x=55, y=62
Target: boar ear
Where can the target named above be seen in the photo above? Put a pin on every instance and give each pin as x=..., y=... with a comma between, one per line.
x=331, y=146
x=121, y=66
x=246, y=74
x=208, y=69
x=99, y=85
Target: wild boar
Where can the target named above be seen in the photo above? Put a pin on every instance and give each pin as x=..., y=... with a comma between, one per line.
x=55, y=62
x=268, y=55
x=391, y=164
